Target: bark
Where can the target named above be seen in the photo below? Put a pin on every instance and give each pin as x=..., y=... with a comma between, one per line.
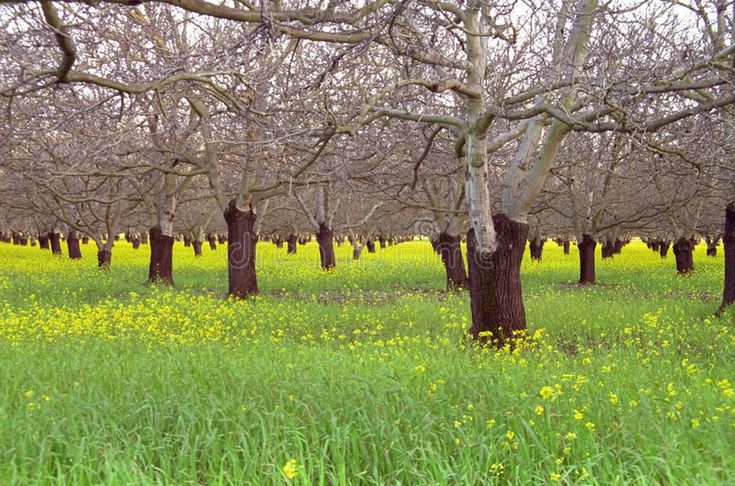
x=608, y=249
x=496, y=296
x=212, y=241
x=241, y=251
x=197, y=247
x=135, y=240
x=55, y=242
x=587, y=260
x=160, y=268
x=536, y=247
x=104, y=259
x=370, y=245
x=326, y=246
x=566, y=246
x=381, y=240
x=85, y=240
x=278, y=241
x=712, y=247
x=356, y=252
x=683, y=248
x=187, y=241
x=448, y=246
x=72, y=245
x=221, y=239
x=144, y=238
x=291, y=244
x=43, y=241
x=728, y=240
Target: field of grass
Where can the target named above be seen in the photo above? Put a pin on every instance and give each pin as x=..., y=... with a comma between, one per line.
x=361, y=375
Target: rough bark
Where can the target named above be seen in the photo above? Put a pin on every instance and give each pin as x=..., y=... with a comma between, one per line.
x=728, y=240
x=197, y=247
x=54, y=240
x=242, y=280
x=72, y=246
x=683, y=248
x=85, y=240
x=104, y=259
x=221, y=239
x=566, y=246
x=187, y=241
x=326, y=246
x=381, y=240
x=212, y=241
x=712, y=247
x=370, y=245
x=160, y=268
x=43, y=241
x=587, y=260
x=448, y=246
x=496, y=296
x=291, y=244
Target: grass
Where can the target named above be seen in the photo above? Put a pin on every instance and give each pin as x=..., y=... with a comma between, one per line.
x=361, y=375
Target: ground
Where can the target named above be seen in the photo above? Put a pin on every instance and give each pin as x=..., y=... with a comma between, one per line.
x=361, y=375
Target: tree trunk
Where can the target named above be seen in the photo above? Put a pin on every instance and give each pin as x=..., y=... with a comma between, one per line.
x=53, y=237
x=566, y=247
x=221, y=239
x=197, y=247
x=241, y=251
x=326, y=247
x=370, y=245
x=728, y=240
x=381, y=240
x=43, y=241
x=212, y=241
x=104, y=259
x=72, y=245
x=608, y=249
x=144, y=238
x=356, y=252
x=663, y=248
x=536, y=248
x=85, y=240
x=587, y=260
x=291, y=244
x=496, y=297
x=135, y=240
x=161, y=263
x=448, y=246
x=187, y=241
x=712, y=247
x=683, y=254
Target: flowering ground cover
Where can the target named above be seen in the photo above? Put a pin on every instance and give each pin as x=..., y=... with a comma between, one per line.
x=362, y=375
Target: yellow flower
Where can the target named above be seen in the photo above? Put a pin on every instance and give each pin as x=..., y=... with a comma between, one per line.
x=695, y=423
x=555, y=476
x=613, y=398
x=291, y=469
x=578, y=415
x=547, y=393
x=539, y=410
x=590, y=426
x=510, y=434
x=28, y=394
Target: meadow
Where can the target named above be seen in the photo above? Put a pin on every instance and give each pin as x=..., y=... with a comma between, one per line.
x=361, y=375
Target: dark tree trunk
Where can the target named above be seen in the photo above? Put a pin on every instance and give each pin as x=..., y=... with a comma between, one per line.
x=197, y=247
x=663, y=248
x=587, y=260
x=135, y=240
x=104, y=259
x=728, y=240
x=326, y=247
x=291, y=244
x=496, y=297
x=278, y=241
x=449, y=248
x=144, y=238
x=536, y=248
x=370, y=245
x=712, y=247
x=43, y=242
x=381, y=240
x=241, y=251
x=656, y=245
x=683, y=254
x=356, y=252
x=566, y=247
x=618, y=246
x=161, y=263
x=72, y=245
x=55, y=242
x=435, y=245
x=608, y=249
x=303, y=240
x=212, y=241
x=187, y=241
x=221, y=239
x=85, y=240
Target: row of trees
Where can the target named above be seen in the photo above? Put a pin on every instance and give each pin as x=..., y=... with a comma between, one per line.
x=507, y=120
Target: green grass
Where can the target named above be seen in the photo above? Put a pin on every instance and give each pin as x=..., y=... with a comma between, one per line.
x=361, y=375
